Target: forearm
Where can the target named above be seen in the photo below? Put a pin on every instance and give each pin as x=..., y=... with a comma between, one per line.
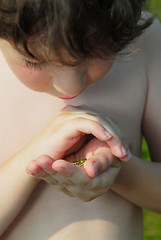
x=15, y=188
x=140, y=182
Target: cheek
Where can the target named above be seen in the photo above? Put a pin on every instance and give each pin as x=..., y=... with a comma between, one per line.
x=98, y=70
x=34, y=79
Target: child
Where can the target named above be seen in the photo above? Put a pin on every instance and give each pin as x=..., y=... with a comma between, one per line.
x=67, y=53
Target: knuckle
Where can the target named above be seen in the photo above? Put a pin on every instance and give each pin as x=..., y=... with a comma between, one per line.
x=68, y=108
x=32, y=166
x=96, y=118
x=42, y=159
x=76, y=120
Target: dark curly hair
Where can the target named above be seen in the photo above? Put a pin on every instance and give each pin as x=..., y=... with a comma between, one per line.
x=83, y=28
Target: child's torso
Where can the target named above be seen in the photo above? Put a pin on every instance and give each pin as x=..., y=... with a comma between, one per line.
x=50, y=214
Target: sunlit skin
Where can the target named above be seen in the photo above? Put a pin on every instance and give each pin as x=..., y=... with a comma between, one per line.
x=35, y=120
x=60, y=81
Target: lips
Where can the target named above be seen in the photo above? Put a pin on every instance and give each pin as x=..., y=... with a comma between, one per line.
x=67, y=98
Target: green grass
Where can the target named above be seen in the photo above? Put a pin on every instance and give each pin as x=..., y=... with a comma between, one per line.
x=152, y=225
x=154, y=6
x=152, y=220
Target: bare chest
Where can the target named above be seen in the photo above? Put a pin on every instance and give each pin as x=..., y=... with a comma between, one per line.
x=24, y=113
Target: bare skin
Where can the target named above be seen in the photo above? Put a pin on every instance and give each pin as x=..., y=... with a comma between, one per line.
x=122, y=94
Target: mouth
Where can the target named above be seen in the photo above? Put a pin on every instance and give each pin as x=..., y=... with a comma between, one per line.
x=67, y=98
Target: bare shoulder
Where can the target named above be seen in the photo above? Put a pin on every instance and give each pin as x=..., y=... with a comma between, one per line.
x=151, y=43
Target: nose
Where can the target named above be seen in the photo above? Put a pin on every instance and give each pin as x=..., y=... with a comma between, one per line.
x=69, y=82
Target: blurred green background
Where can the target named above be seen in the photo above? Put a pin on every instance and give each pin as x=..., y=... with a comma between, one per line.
x=152, y=221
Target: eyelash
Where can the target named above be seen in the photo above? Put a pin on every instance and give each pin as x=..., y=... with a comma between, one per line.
x=37, y=66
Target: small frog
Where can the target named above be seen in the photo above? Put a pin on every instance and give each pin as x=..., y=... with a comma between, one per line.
x=80, y=163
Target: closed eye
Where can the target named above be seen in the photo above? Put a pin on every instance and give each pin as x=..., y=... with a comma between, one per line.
x=35, y=65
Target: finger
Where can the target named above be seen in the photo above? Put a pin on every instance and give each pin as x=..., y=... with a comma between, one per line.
x=72, y=172
x=64, y=181
x=35, y=170
x=81, y=109
x=100, y=162
x=78, y=145
x=87, y=126
x=45, y=162
x=51, y=180
x=118, y=148
x=54, y=181
x=70, y=133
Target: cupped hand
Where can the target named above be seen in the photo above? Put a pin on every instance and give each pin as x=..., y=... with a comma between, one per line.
x=86, y=182
x=76, y=133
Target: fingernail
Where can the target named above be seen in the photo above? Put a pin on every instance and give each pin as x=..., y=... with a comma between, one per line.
x=124, y=151
x=109, y=135
x=97, y=167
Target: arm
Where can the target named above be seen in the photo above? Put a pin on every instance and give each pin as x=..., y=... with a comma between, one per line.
x=140, y=181
x=15, y=188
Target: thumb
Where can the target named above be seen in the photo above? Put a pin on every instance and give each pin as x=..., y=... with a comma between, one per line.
x=100, y=162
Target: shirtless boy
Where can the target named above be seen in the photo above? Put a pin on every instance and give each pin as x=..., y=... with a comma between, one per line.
x=67, y=93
